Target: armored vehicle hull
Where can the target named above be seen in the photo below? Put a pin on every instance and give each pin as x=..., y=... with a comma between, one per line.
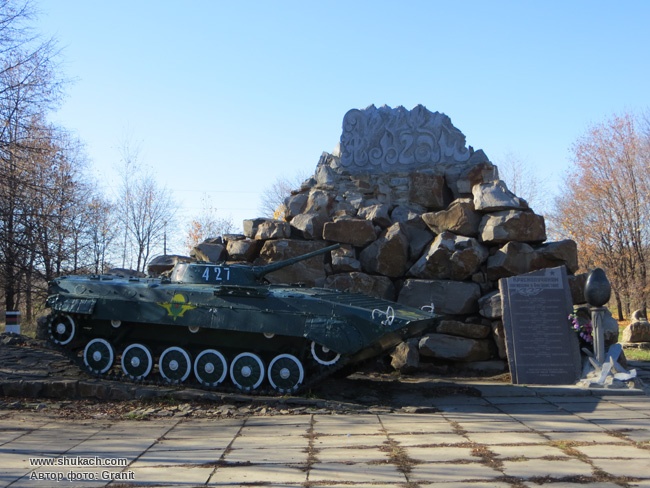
x=209, y=324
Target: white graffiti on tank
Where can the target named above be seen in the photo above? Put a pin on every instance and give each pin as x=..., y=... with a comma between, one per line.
x=393, y=139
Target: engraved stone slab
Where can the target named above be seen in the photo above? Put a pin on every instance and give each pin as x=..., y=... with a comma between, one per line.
x=542, y=349
x=394, y=140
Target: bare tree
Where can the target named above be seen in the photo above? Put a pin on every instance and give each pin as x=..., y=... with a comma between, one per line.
x=144, y=210
x=523, y=180
x=605, y=205
x=101, y=228
x=29, y=88
x=272, y=199
x=206, y=224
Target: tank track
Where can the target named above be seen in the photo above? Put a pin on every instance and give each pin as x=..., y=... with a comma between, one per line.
x=75, y=355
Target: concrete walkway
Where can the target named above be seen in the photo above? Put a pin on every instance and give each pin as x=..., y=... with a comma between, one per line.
x=512, y=436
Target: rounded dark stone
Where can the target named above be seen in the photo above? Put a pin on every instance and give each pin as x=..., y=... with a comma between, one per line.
x=597, y=289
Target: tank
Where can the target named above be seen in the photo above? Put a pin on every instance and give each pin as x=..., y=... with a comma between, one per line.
x=223, y=326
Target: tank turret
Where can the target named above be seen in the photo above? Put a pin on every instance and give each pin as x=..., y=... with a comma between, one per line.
x=235, y=274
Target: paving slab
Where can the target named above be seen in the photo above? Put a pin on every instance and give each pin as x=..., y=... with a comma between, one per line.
x=543, y=468
x=373, y=454
x=640, y=484
x=527, y=452
x=440, y=454
x=358, y=440
x=544, y=407
x=515, y=400
x=271, y=474
x=471, y=484
x=174, y=457
x=637, y=468
x=542, y=423
x=177, y=475
x=422, y=427
x=190, y=444
x=637, y=435
x=224, y=428
x=334, y=484
x=356, y=473
x=428, y=439
x=270, y=442
x=277, y=455
x=573, y=485
x=452, y=472
x=496, y=438
x=590, y=437
x=627, y=451
x=286, y=430
x=498, y=426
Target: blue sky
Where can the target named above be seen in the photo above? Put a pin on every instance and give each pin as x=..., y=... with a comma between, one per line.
x=224, y=97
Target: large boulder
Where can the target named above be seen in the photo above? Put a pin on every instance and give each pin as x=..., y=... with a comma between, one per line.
x=344, y=260
x=553, y=254
x=250, y=226
x=405, y=358
x=512, y=259
x=355, y=282
x=636, y=332
x=378, y=214
x=512, y=225
x=310, y=271
x=448, y=297
x=309, y=225
x=405, y=214
x=478, y=169
x=490, y=305
x=450, y=257
x=388, y=255
x=429, y=190
x=419, y=237
x=318, y=202
x=454, y=348
x=495, y=196
x=243, y=249
x=164, y=263
x=263, y=229
x=211, y=250
x=470, y=330
x=273, y=229
x=295, y=204
x=357, y=232
x=460, y=218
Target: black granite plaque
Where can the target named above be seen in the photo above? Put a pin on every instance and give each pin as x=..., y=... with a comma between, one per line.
x=542, y=349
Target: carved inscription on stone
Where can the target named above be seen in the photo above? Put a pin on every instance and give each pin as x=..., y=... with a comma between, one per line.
x=386, y=139
x=541, y=347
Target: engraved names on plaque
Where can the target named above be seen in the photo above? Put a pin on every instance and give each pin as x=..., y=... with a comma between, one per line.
x=542, y=349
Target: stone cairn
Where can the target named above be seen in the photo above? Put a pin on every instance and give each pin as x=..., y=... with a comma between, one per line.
x=422, y=219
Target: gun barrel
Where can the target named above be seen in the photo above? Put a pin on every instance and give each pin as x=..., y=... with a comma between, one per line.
x=260, y=271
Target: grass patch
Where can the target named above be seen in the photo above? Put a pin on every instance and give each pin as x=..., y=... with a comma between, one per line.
x=632, y=353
